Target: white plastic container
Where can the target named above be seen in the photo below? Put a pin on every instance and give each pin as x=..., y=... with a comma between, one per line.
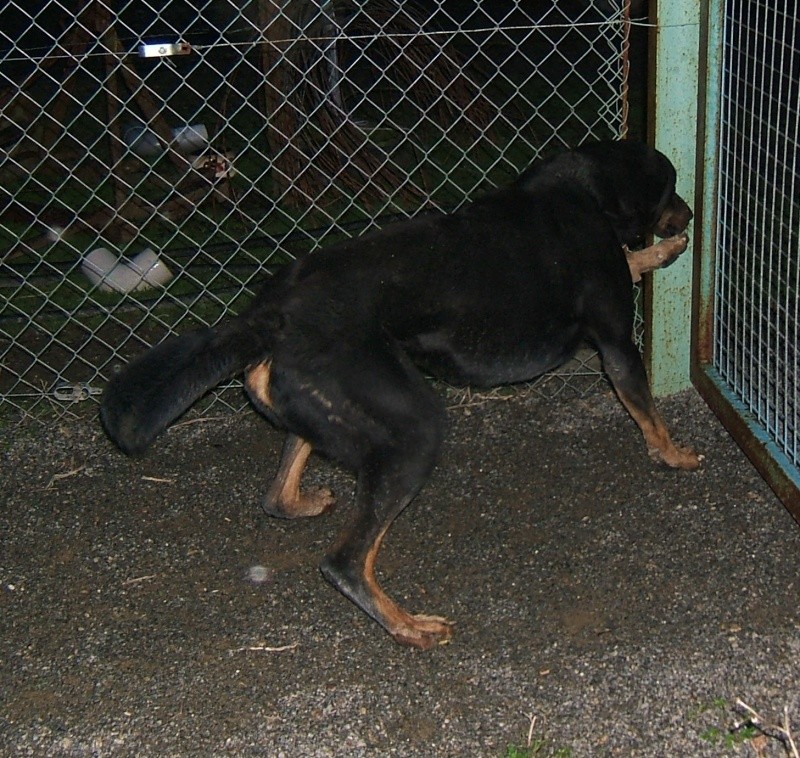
x=191, y=139
x=151, y=269
x=111, y=274
x=145, y=143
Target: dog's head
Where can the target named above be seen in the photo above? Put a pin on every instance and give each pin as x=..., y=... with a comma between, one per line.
x=635, y=188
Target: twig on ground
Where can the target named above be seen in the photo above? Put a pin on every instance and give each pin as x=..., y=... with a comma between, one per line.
x=781, y=733
x=138, y=579
x=58, y=477
x=469, y=398
x=201, y=420
x=532, y=718
x=157, y=480
x=263, y=648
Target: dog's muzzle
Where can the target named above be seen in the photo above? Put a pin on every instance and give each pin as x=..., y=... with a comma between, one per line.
x=674, y=219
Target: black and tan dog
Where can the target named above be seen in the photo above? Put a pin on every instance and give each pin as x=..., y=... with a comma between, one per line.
x=335, y=347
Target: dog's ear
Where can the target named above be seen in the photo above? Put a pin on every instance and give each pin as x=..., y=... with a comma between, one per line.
x=618, y=207
x=624, y=212
x=631, y=183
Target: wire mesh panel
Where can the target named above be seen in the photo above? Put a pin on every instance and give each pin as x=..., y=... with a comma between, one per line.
x=158, y=160
x=755, y=331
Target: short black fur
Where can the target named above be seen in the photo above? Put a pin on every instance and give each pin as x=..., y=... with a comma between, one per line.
x=500, y=291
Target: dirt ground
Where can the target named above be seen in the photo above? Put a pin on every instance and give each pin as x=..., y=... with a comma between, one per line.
x=604, y=604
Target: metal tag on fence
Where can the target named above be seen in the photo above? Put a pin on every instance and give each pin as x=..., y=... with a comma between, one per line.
x=164, y=49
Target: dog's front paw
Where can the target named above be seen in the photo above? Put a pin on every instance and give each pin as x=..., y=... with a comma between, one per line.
x=671, y=248
x=676, y=456
x=683, y=241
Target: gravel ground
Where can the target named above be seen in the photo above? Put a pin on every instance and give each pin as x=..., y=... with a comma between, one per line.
x=149, y=608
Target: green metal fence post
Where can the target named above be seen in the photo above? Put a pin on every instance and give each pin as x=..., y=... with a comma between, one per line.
x=674, y=107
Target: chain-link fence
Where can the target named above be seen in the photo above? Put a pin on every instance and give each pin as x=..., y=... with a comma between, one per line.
x=155, y=162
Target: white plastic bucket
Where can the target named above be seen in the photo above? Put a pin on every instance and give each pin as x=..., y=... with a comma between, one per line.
x=111, y=274
x=145, y=142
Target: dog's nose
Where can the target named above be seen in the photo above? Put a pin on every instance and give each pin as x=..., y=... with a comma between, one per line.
x=677, y=222
x=673, y=229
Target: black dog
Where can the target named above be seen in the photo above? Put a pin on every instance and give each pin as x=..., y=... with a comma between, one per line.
x=334, y=348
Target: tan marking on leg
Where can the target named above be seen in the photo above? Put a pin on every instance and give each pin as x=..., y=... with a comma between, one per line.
x=419, y=630
x=284, y=498
x=257, y=382
x=656, y=256
x=660, y=446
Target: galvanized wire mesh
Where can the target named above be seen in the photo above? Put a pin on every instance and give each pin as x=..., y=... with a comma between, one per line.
x=757, y=288
x=159, y=159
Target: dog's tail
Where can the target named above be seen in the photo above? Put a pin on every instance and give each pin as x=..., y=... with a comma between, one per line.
x=156, y=388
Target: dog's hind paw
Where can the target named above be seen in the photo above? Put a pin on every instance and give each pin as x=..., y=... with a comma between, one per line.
x=312, y=502
x=424, y=632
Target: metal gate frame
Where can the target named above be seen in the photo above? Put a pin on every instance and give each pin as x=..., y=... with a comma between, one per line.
x=743, y=422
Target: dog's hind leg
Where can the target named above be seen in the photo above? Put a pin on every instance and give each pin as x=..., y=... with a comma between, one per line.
x=370, y=409
x=399, y=441
x=386, y=484
x=284, y=498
